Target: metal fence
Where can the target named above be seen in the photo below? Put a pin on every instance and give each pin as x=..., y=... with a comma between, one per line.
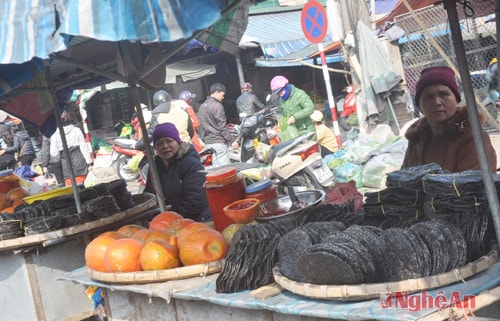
x=419, y=51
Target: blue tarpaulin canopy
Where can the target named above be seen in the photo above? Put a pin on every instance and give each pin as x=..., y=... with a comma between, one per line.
x=85, y=35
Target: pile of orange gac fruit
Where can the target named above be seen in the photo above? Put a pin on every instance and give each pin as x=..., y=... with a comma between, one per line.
x=170, y=241
x=12, y=199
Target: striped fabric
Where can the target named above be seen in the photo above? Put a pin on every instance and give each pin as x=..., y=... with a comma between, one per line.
x=36, y=28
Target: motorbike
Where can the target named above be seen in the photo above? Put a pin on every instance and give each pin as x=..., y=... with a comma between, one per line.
x=123, y=150
x=347, y=106
x=206, y=157
x=254, y=129
x=298, y=163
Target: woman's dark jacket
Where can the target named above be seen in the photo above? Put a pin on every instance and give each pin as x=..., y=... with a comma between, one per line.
x=182, y=183
x=20, y=137
x=454, y=150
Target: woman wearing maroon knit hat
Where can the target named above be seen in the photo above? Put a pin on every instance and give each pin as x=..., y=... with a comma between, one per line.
x=180, y=172
x=444, y=134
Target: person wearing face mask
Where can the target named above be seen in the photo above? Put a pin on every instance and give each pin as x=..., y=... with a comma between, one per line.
x=444, y=134
x=180, y=172
x=295, y=104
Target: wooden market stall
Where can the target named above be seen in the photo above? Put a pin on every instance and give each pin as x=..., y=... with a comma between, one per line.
x=31, y=264
x=196, y=299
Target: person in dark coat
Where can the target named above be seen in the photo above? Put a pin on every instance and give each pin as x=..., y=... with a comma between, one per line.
x=7, y=160
x=444, y=134
x=247, y=103
x=180, y=173
x=21, y=143
x=51, y=164
x=213, y=122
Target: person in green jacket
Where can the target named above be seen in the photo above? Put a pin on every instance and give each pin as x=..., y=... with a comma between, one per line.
x=294, y=104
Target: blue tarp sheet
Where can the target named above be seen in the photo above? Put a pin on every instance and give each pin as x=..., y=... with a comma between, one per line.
x=288, y=303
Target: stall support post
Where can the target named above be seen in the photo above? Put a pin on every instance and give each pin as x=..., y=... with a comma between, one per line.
x=456, y=33
x=57, y=112
x=132, y=81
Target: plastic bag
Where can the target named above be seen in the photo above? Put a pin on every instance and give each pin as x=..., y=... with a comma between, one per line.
x=287, y=131
x=133, y=164
x=50, y=179
x=90, y=180
x=262, y=152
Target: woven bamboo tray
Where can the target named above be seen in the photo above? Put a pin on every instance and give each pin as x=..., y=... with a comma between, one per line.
x=139, y=277
x=144, y=202
x=373, y=290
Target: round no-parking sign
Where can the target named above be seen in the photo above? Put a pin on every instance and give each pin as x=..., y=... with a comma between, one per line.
x=314, y=22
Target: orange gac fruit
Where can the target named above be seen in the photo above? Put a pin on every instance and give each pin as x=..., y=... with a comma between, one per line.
x=8, y=210
x=5, y=201
x=193, y=227
x=202, y=246
x=113, y=234
x=158, y=222
x=94, y=251
x=129, y=229
x=142, y=234
x=164, y=236
x=122, y=255
x=176, y=226
x=16, y=202
x=159, y=255
x=17, y=193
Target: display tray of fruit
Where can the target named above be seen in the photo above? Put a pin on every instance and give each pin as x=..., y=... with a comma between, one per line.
x=36, y=227
x=170, y=248
x=356, y=292
x=142, y=277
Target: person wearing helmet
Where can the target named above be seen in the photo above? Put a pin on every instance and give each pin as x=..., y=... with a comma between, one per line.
x=325, y=136
x=213, y=122
x=295, y=104
x=185, y=102
x=166, y=112
x=136, y=124
x=444, y=134
x=247, y=103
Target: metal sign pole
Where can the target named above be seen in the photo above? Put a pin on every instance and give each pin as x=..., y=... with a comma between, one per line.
x=331, y=100
x=314, y=24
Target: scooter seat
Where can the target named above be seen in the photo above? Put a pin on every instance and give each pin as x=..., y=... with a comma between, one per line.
x=286, y=145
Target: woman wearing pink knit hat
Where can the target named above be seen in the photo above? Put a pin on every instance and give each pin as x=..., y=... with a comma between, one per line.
x=444, y=134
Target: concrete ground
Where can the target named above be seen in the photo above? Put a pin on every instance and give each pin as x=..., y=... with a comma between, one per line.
x=107, y=174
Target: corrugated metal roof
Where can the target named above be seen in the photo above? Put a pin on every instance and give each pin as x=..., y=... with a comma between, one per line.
x=278, y=34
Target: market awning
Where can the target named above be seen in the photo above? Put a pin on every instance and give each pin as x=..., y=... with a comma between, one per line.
x=62, y=33
x=187, y=71
x=278, y=34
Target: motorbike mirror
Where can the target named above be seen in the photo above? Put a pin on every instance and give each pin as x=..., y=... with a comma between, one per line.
x=268, y=98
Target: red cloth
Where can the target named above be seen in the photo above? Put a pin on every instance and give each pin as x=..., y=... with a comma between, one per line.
x=342, y=193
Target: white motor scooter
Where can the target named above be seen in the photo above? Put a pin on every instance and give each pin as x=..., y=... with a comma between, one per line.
x=298, y=163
